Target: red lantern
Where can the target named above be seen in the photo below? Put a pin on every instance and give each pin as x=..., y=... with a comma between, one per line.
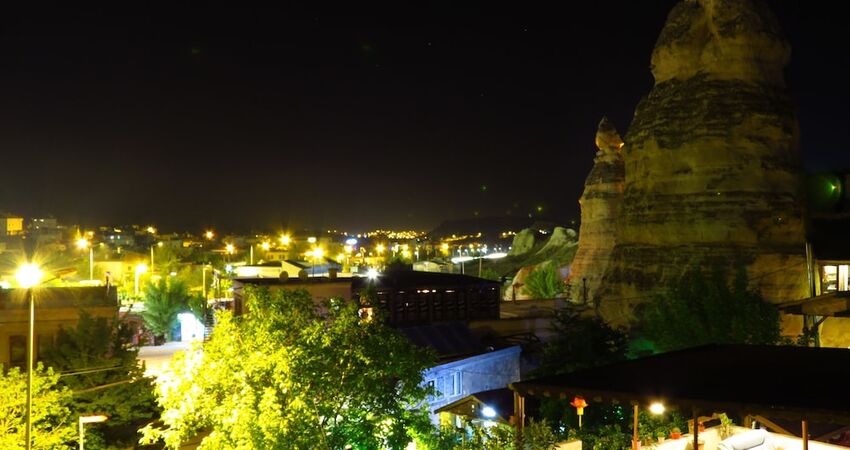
x=579, y=404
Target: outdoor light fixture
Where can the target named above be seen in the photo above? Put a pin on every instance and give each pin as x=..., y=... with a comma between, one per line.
x=89, y=419
x=488, y=412
x=372, y=274
x=657, y=408
x=284, y=239
x=229, y=248
x=28, y=275
x=579, y=404
x=311, y=240
x=266, y=246
x=209, y=234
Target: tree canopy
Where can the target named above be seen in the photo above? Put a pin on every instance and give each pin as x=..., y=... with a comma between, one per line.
x=544, y=282
x=581, y=342
x=699, y=308
x=53, y=425
x=293, y=374
x=105, y=378
x=164, y=299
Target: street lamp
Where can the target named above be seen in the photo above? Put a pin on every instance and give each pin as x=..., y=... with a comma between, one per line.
x=209, y=235
x=285, y=239
x=28, y=276
x=82, y=244
x=140, y=269
x=318, y=253
x=89, y=419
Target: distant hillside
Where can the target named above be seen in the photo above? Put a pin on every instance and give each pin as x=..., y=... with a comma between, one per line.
x=490, y=227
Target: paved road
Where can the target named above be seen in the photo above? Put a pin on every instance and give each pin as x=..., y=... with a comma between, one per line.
x=156, y=358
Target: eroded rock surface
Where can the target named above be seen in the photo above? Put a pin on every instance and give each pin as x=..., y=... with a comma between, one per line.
x=600, y=203
x=711, y=162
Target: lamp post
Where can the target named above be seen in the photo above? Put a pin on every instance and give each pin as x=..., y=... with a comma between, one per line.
x=28, y=276
x=89, y=419
x=82, y=244
x=140, y=269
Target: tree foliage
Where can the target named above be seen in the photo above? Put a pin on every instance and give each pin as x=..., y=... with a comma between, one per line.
x=105, y=378
x=581, y=342
x=537, y=435
x=53, y=425
x=698, y=309
x=544, y=282
x=163, y=301
x=289, y=374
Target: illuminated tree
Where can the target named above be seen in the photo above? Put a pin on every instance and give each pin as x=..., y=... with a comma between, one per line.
x=53, y=425
x=289, y=374
x=163, y=301
x=544, y=282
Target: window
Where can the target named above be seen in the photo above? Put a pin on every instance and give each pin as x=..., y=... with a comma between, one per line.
x=830, y=278
x=18, y=351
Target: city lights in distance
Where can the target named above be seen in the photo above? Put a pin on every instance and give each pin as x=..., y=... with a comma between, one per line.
x=151, y=230
x=351, y=241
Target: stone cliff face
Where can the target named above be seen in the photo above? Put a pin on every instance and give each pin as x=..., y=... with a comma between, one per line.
x=711, y=161
x=600, y=202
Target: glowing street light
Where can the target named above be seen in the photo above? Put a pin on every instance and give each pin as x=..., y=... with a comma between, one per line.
x=285, y=239
x=151, y=230
x=230, y=249
x=488, y=412
x=372, y=274
x=266, y=246
x=380, y=248
x=89, y=419
x=82, y=244
x=209, y=235
x=140, y=269
x=657, y=408
x=29, y=275
x=311, y=239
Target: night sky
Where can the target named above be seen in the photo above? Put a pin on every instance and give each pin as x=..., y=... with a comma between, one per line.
x=190, y=116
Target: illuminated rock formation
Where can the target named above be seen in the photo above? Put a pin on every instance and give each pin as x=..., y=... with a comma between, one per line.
x=711, y=161
x=603, y=193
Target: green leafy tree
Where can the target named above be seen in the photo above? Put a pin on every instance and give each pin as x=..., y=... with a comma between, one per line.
x=537, y=435
x=105, y=377
x=163, y=301
x=291, y=374
x=581, y=342
x=53, y=425
x=544, y=282
x=698, y=309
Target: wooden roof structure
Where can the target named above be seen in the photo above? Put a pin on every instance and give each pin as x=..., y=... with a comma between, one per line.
x=796, y=383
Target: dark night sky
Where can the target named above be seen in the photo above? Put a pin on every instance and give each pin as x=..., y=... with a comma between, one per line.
x=190, y=116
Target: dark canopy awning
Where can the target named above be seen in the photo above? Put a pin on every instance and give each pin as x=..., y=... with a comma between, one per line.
x=779, y=381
